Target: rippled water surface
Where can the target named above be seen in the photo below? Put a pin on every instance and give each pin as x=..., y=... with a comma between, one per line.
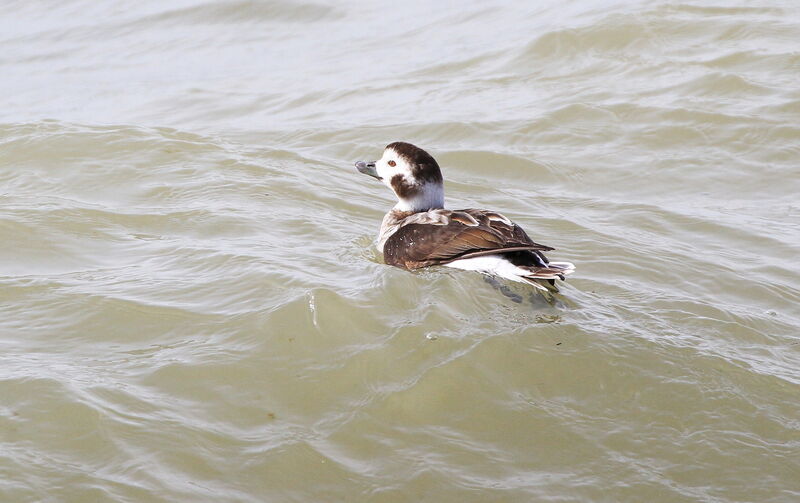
x=193, y=308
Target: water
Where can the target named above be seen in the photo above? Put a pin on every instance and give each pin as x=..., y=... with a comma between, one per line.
x=193, y=308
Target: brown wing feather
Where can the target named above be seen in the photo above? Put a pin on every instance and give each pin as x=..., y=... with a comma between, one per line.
x=421, y=245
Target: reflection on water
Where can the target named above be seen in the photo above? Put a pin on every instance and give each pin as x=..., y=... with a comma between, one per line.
x=194, y=310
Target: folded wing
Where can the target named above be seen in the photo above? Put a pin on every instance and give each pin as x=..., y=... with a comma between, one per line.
x=452, y=235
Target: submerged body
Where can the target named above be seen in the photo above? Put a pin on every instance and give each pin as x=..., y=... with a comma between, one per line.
x=419, y=232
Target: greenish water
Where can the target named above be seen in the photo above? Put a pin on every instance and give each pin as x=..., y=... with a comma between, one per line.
x=193, y=308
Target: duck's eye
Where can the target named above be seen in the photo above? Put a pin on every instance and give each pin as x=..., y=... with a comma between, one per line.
x=392, y=164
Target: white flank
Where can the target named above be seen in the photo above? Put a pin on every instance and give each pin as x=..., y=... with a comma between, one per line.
x=495, y=265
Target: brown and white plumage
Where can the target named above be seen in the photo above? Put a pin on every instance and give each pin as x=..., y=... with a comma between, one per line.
x=419, y=232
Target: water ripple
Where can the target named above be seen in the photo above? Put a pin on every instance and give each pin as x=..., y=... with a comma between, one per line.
x=194, y=309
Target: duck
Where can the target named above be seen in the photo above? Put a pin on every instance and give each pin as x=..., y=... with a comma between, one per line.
x=419, y=232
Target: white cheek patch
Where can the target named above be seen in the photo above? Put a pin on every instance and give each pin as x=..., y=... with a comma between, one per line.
x=401, y=167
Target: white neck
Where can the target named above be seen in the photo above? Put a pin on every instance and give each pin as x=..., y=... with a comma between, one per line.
x=431, y=197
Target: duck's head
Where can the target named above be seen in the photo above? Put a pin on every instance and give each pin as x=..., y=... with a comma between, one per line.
x=411, y=173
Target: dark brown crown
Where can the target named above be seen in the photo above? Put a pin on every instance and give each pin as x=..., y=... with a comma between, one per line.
x=423, y=166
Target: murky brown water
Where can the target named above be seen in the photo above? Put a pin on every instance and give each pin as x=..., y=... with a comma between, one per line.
x=192, y=307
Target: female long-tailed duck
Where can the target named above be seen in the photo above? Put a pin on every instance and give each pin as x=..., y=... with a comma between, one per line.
x=419, y=232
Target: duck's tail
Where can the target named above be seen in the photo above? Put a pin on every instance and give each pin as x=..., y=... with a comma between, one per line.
x=545, y=277
x=542, y=277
